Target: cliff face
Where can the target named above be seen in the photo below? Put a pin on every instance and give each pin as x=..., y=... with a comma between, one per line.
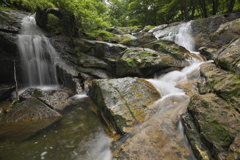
x=10, y=23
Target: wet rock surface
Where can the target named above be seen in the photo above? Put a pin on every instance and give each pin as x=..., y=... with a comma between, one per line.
x=6, y=91
x=158, y=137
x=25, y=119
x=10, y=23
x=56, y=99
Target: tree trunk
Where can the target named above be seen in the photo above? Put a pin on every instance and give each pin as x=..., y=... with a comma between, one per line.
x=214, y=7
x=230, y=6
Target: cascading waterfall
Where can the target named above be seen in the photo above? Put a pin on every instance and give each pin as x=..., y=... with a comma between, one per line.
x=37, y=55
x=180, y=34
x=173, y=97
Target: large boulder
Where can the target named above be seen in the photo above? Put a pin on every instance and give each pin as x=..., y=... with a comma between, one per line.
x=121, y=102
x=158, y=137
x=206, y=32
x=143, y=62
x=226, y=33
x=103, y=50
x=26, y=118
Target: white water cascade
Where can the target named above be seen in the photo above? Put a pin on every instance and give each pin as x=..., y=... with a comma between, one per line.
x=181, y=35
x=174, y=101
x=37, y=55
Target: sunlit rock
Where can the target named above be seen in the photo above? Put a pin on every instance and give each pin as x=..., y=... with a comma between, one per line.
x=160, y=136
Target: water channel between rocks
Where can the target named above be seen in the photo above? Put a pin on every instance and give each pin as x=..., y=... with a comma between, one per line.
x=80, y=134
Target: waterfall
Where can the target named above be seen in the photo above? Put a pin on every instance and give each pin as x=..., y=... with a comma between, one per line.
x=38, y=58
x=174, y=98
x=180, y=34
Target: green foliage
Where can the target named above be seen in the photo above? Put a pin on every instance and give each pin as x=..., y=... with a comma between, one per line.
x=31, y=5
x=37, y=93
x=53, y=24
x=15, y=101
x=89, y=14
x=155, y=12
x=105, y=35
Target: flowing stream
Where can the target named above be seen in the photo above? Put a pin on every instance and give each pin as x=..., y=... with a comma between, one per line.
x=174, y=101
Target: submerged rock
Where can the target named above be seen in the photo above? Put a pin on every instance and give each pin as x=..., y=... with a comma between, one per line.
x=121, y=102
x=25, y=119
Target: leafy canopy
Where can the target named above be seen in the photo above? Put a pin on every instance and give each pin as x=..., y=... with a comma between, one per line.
x=155, y=12
x=89, y=14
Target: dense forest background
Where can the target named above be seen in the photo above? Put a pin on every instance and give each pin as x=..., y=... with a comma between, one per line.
x=95, y=15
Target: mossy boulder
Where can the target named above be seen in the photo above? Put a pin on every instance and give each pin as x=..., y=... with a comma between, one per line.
x=169, y=47
x=144, y=39
x=226, y=33
x=104, y=50
x=87, y=61
x=214, y=31
x=81, y=45
x=124, y=39
x=214, y=117
x=127, y=30
x=143, y=62
x=56, y=99
x=121, y=102
x=223, y=83
x=26, y=118
x=210, y=113
x=229, y=57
